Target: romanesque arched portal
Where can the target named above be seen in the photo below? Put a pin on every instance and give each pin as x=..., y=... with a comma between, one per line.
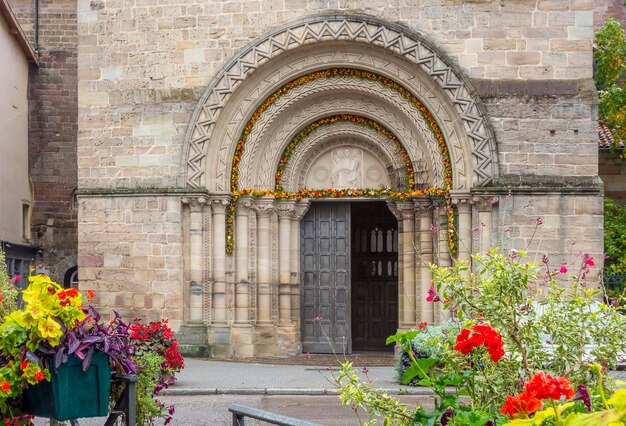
x=336, y=108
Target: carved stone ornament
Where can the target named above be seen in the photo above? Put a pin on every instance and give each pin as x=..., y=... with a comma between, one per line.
x=485, y=202
x=196, y=204
x=446, y=77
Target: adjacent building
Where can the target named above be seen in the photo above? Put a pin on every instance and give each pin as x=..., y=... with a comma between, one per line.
x=16, y=192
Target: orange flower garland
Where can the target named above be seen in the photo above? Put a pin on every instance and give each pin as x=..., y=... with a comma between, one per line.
x=363, y=121
x=335, y=193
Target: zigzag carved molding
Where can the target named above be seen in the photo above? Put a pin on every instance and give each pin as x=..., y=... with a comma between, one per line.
x=356, y=28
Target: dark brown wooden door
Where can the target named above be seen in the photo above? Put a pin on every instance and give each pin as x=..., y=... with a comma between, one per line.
x=325, y=248
x=374, y=275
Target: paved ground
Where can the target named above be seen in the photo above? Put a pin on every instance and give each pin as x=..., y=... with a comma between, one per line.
x=206, y=388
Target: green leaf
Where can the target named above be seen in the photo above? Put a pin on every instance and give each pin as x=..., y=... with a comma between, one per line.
x=424, y=418
x=418, y=369
x=402, y=336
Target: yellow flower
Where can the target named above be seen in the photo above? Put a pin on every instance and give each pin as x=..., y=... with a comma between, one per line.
x=23, y=318
x=50, y=330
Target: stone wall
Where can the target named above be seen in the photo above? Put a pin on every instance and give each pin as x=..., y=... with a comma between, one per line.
x=53, y=131
x=143, y=69
x=131, y=255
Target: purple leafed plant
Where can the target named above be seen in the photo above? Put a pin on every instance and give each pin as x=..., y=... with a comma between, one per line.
x=91, y=335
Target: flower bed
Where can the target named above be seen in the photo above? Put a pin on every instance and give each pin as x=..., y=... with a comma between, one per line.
x=527, y=344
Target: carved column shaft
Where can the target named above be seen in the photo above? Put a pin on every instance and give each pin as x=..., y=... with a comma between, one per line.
x=219, y=204
x=407, y=316
x=196, y=257
x=242, y=284
x=444, y=257
x=265, y=207
x=423, y=209
x=285, y=214
x=464, y=208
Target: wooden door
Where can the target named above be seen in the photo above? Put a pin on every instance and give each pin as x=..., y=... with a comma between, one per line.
x=374, y=276
x=325, y=248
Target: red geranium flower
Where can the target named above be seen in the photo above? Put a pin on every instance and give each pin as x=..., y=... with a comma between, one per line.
x=6, y=387
x=521, y=405
x=39, y=376
x=483, y=334
x=544, y=386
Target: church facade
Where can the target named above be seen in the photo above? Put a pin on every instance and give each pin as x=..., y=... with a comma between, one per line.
x=275, y=176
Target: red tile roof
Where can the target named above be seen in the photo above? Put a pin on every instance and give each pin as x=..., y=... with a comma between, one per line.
x=605, y=138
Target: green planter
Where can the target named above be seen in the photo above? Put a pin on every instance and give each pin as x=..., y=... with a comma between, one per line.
x=71, y=392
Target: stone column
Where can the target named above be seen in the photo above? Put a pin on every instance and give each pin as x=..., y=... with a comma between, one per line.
x=301, y=208
x=265, y=207
x=196, y=207
x=484, y=205
x=444, y=257
x=242, y=282
x=219, y=204
x=424, y=222
x=242, y=335
x=286, y=210
x=464, y=228
x=407, y=252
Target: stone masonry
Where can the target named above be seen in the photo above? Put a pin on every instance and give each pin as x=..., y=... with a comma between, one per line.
x=152, y=245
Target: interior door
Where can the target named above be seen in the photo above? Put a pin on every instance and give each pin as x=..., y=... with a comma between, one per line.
x=325, y=251
x=374, y=276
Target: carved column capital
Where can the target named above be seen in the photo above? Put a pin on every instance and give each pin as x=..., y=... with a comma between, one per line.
x=462, y=200
x=195, y=204
x=244, y=204
x=285, y=209
x=219, y=203
x=264, y=206
x=301, y=208
x=393, y=207
x=485, y=202
x=423, y=205
x=406, y=210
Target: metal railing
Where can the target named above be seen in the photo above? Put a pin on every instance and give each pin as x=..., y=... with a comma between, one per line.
x=240, y=412
x=614, y=282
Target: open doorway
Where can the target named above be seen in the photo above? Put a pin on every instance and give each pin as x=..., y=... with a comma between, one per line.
x=374, y=275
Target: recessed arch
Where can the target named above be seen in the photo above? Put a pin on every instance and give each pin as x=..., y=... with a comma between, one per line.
x=414, y=56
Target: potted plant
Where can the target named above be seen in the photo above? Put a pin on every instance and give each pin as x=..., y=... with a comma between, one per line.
x=156, y=355
x=55, y=341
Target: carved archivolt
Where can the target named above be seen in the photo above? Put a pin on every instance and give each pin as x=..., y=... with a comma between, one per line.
x=409, y=59
x=326, y=137
x=272, y=131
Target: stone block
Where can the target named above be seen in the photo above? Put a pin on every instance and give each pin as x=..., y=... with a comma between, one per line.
x=523, y=58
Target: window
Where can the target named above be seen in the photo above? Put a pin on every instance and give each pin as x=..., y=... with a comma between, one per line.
x=26, y=222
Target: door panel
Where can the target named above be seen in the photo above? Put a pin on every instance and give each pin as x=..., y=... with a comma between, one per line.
x=325, y=245
x=374, y=276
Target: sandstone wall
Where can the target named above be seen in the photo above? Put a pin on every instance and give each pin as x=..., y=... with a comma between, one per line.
x=131, y=255
x=143, y=69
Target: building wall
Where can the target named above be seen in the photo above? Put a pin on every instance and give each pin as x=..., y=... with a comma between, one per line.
x=142, y=71
x=14, y=183
x=53, y=131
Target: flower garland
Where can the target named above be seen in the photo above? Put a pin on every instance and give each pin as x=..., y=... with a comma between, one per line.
x=336, y=193
x=363, y=121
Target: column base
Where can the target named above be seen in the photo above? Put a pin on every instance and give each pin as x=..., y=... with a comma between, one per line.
x=265, y=340
x=243, y=340
x=219, y=341
x=193, y=340
x=286, y=340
